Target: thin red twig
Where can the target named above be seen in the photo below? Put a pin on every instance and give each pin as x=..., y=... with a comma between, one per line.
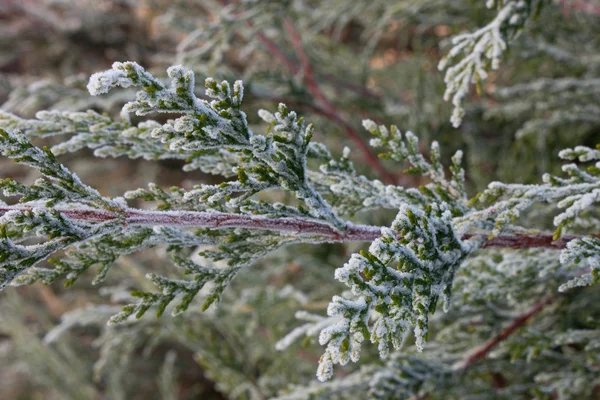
x=309, y=79
x=314, y=89
x=300, y=226
x=333, y=117
x=350, y=86
x=580, y=6
x=395, y=178
x=518, y=322
x=295, y=69
x=274, y=49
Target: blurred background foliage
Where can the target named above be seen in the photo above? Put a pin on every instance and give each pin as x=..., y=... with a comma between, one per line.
x=372, y=59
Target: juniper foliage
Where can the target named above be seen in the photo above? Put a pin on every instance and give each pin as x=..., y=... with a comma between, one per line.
x=279, y=193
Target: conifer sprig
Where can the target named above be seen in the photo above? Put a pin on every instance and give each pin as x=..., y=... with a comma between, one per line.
x=395, y=285
x=476, y=53
x=400, y=278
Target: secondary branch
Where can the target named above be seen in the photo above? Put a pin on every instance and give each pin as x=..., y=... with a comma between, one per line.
x=313, y=87
x=518, y=322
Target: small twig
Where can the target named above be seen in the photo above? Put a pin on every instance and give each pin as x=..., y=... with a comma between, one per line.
x=581, y=6
x=518, y=322
x=321, y=231
x=397, y=178
x=350, y=86
x=273, y=49
x=314, y=89
x=309, y=79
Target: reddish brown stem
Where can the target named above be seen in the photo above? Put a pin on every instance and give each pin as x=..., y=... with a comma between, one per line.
x=350, y=86
x=309, y=79
x=332, y=116
x=483, y=351
x=216, y=220
x=299, y=226
x=336, y=119
x=581, y=6
x=313, y=88
x=295, y=69
x=274, y=49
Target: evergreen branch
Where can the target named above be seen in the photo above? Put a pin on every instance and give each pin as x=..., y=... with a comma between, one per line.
x=301, y=226
x=172, y=288
x=17, y=259
x=277, y=188
x=322, y=111
x=58, y=185
x=576, y=194
x=588, y=249
x=474, y=54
